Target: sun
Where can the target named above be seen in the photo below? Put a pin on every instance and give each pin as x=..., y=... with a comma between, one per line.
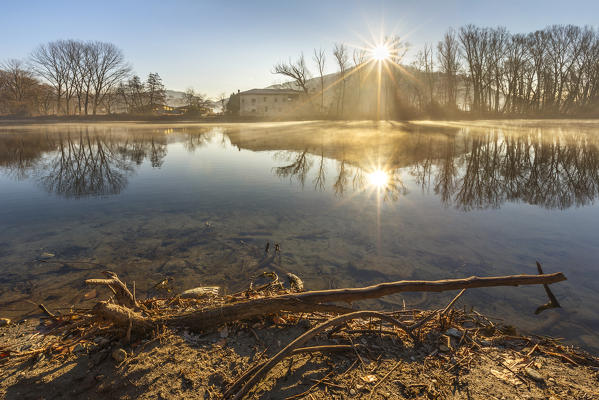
x=380, y=52
x=378, y=178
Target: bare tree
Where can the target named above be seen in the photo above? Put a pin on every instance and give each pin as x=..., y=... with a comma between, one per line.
x=498, y=40
x=295, y=70
x=222, y=99
x=49, y=64
x=475, y=44
x=398, y=48
x=341, y=55
x=17, y=79
x=68, y=53
x=320, y=59
x=359, y=58
x=449, y=65
x=110, y=68
x=193, y=99
x=424, y=63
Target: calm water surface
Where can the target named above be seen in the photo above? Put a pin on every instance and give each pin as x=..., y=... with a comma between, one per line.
x=351, y=204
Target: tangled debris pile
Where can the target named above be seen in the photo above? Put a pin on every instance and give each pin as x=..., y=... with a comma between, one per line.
x=332, y=351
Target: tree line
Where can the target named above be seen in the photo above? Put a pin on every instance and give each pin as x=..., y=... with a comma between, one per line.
x=72, y=77
x=475, y=70
x=490, y=70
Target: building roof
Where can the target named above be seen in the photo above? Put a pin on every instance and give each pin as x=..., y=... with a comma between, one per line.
x=271, y=91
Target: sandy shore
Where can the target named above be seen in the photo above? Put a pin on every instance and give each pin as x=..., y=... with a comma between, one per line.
x=462, y=355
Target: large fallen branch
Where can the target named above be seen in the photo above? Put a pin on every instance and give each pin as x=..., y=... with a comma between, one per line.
x=212, y=317
x=387, y=288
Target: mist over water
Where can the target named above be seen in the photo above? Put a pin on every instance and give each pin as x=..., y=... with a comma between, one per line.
x=351, y=204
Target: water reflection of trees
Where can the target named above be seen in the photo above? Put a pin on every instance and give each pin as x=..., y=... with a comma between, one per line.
x=80, y=162
x=19, y=154
x=297, y=166
x=346, y=177
x=76, y=161
x=470, y=170
x=556, y=170
x=85, y=165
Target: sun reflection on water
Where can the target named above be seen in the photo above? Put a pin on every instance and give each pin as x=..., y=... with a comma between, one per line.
x=378, y=178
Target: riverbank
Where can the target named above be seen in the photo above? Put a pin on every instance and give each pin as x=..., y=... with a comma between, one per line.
x=218, y=119
x=446, y=353
x=174, y=364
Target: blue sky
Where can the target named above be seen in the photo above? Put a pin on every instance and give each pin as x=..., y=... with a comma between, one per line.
x=222, y=46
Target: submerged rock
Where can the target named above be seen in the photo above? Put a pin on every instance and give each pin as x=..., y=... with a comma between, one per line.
x=224, y=332
x=295, y=282
x=199, y=292
x=119, y=355
x=4, y=321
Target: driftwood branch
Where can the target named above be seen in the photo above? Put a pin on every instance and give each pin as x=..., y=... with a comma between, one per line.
x=123, y=295
x=123, y=316
x=210, y=318
x=308, y=301
x=387, y=288
x=553, y=303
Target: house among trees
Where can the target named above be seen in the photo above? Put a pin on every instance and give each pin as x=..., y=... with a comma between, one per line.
x=271, y=103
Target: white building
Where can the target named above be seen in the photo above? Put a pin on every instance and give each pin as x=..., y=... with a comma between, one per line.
x=271, y=103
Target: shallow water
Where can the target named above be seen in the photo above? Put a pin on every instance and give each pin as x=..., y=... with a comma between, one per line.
x=350, y=204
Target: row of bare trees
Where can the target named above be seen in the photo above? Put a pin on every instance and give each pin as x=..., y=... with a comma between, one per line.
x=81, y=73
x=481, y=70
x=21, y=92
x=490, y=70
x=71, y=77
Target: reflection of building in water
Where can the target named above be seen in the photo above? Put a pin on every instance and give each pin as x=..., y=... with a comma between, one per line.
x=468, y=168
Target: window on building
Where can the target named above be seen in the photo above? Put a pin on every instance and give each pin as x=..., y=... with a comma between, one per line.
x=243, y=100
x=276, y=99
x=253, y=110
x=265, y=109
x=253, y=101
x=289, y=98
x=265, y=99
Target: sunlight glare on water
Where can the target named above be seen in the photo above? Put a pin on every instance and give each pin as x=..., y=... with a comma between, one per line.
x=378, y=178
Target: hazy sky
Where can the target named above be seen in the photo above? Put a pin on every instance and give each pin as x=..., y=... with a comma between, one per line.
x=222, y=46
